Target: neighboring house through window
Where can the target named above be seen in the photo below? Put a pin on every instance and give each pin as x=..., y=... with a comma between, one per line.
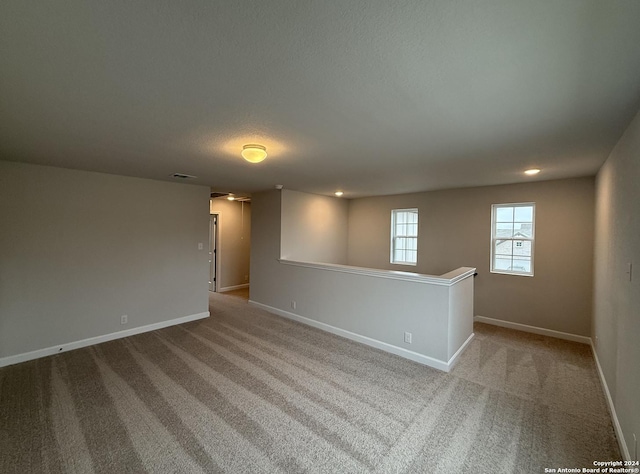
x=512, y=238
x=404, y=236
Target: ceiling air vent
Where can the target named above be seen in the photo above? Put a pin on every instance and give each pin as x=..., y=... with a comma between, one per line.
x=182, y=176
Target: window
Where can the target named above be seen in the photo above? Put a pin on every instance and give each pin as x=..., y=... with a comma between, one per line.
x=512, y=238
x=404, y=236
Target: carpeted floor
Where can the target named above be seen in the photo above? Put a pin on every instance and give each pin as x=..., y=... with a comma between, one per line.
x=245, y=391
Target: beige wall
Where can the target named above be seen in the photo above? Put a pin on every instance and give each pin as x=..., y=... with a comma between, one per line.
x=314, y=228
x=234, y=242
x=80, y=249
x=616, y=313
x=455, y=230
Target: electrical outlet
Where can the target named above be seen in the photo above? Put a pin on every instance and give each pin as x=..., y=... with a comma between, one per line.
x=407, y=337
x=124, y=319
x=293, y=305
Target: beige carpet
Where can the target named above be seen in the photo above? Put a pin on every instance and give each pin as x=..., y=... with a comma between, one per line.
x=246, y=391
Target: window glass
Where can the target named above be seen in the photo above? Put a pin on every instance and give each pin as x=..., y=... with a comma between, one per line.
x=504, y=214
x=524, y=214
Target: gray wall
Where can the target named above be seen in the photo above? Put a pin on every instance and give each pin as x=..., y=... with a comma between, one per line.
x=80, y=249
x=455, y=231
x=234, y=242
x=314, y=228
x=616, y=315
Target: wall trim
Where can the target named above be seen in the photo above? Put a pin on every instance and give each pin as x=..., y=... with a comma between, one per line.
x=386, y=347
x=234, y=287
x=533, y=329
x=612, y=409
x=37, y=354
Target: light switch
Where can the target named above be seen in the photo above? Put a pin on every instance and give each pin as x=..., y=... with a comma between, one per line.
x=629, y=272
x=200, y=246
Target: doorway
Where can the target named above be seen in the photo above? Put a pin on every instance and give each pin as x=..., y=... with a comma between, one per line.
x=213, y=252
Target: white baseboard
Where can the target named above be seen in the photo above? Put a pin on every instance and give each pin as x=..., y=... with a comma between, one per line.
x=612, y=409
x=454, y=358
x=399, y=351
x=533, y=329
x=16, y=359
x=231, y=288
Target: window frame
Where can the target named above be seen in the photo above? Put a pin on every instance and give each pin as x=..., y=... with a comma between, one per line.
x=394, y=236
x=532, y=239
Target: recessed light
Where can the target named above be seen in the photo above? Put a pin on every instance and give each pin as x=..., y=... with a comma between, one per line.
x=532, y=171
x=338, y=193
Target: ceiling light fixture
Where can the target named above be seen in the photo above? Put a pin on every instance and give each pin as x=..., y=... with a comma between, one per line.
x=231, y=197
x=254, y=153
x=338, y=193
x=532, y=172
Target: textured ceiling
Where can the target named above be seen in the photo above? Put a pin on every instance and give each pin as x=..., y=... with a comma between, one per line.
x=370, y=96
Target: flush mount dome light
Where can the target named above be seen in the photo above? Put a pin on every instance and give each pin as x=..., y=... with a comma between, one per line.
x=532, y=172
x=254, y=153
x=338, y=193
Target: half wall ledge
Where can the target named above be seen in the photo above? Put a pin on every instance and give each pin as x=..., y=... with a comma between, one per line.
x=448, y=279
